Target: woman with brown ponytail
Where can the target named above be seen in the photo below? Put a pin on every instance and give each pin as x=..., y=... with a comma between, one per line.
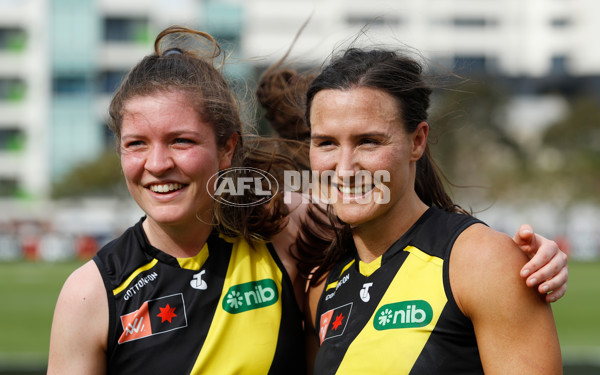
x=193, y=287
x=198, y=285
x=415, y=284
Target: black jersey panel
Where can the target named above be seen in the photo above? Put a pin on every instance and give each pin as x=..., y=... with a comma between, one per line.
x=402, y=318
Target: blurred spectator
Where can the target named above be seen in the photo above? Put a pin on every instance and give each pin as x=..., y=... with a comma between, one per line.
x=9, y=242
x=29, y=232
x=86, y=247
x=55, y=246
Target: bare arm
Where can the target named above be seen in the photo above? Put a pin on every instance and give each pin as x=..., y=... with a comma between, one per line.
x=80, y=325
x=514, y=326
x=283, y=241
x=310, y=332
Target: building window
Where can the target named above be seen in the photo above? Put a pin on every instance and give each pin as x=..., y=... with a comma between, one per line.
x=126, y=30
x=560, y=22
x=109, y=81
x=360, y=20
x=12, y=139
x=559, y=65
x=12, y=89
x=471, y=65
x=70, y=85
x=12, y=39
x=473, y=22
x=8, y=187
x=223, y=19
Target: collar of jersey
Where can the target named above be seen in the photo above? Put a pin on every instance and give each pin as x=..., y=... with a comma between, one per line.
x=367, y=269
x=194, y=263
x=197, y=261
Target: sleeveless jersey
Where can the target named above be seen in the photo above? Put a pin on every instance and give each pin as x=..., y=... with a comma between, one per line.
x=397, y=315
x=230, y=309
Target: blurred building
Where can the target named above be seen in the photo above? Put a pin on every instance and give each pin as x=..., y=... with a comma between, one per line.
x=25, y=98
x=533, y=38
x=60, y=60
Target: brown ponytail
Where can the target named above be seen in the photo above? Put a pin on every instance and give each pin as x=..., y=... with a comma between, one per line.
x=189, y=61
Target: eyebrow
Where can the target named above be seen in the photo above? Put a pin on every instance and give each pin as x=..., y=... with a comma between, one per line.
x=361, y=135
x=175, y=133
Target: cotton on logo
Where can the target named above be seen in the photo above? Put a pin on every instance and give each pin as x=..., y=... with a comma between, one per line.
x=255, y=185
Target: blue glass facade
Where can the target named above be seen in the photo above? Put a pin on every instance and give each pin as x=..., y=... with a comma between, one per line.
x=75, y=134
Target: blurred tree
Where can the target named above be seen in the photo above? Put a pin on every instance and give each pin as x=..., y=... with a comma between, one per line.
x=476, y=149
x=471, y=141
x=570, y=158
x=99, y=177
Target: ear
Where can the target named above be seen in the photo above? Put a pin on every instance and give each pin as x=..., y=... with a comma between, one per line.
x=226, y=153
x=419, y=141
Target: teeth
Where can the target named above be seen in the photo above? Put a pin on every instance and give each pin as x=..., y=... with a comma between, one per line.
x=354, y=190
x=165, y=188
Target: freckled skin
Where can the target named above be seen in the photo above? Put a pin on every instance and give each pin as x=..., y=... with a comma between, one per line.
x=360, y=129
x=164, y=141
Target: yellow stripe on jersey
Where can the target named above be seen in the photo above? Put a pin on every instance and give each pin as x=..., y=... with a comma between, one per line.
x=334, y=284
x=367, y=269
x=259, y=326
x=196, y=262
x=126, y=283
x=424, y=256
x=418, y=269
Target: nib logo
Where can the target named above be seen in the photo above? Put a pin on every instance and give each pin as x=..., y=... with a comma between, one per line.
x=250, y=296
x=406, y=314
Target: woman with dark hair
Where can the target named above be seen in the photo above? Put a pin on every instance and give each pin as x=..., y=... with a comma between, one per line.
x=282, y=94
x=194, y=286
x=414, y=284
x=198, y=285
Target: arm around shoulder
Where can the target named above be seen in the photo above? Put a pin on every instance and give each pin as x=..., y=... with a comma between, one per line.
x=80, y=325
x=311, y=338
x=282, y=243
x=513, y=324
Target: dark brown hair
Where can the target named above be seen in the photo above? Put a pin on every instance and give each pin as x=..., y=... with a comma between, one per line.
x=401, y=77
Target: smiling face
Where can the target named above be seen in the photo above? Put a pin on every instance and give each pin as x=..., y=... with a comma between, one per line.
x=361, y=130
x=168, y=154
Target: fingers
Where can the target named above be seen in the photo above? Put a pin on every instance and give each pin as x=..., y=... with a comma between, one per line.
x=551, y=283
x=547, y=252
x=556, y=294
x=544, y=267
x=554, y=287
x=547, y=267
x=526, y=238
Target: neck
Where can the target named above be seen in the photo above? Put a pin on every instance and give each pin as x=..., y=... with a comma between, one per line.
x=374, y=238
x=177, y=240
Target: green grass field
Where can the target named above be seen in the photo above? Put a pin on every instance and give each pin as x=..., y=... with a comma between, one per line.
x=577, y=314
x=29, y=292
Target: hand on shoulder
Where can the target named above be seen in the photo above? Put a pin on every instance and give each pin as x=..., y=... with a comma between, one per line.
x=513, y=324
